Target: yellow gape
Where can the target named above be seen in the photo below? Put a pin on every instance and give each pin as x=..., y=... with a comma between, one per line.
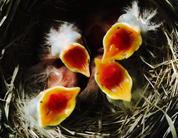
x=113, y=80
x=56, y=104
x=76, y=58
x=66, y=43
x=121, y=41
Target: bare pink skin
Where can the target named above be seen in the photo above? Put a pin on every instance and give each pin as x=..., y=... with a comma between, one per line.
x=61, y=77
x=57, y=74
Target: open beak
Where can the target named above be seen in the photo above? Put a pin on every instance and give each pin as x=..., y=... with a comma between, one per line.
x=113, y=80
x=56, y=104
x=76, y=58
x=121, y=41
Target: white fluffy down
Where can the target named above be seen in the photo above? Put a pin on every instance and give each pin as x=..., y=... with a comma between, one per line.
x=141, y=21
x=62, y=37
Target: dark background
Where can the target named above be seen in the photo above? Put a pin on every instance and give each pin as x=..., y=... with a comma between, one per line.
x=22, y=34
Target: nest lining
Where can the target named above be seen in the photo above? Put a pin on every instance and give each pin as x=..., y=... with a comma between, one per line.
x=153, y=110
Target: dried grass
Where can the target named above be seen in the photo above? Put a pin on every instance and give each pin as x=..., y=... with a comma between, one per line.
x=152, y=112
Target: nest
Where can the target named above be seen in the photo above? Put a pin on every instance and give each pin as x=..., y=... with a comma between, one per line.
x=154, y=69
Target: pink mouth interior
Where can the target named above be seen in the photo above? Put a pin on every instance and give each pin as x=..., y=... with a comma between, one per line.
x=121, y=39
x=111, y=76
x=57, y=103
x=76, y=57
